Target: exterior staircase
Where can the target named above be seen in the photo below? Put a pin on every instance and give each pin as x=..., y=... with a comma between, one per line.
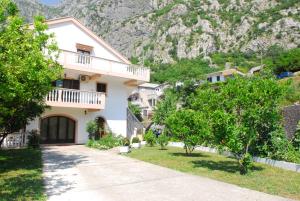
x=134, y=126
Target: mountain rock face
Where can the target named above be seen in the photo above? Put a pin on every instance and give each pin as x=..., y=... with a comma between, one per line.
x=165, y=30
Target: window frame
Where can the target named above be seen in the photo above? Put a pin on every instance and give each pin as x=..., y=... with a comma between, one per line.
x=106, y=87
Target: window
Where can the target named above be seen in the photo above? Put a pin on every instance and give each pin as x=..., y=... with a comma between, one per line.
x=145, y=113
x=152, y=102
x=101, y=87
x=218, y=78
x=209, y=79
x=83, y=56
x=67, y=83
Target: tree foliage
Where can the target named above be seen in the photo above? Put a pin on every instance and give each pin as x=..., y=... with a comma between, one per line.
x=242, y=113
x=288, y=60
x=182, y=70
x=190, y=127
x=27, y=68
x=163, y=140
x=150, y=138
x=136, y=111
x=165, y=107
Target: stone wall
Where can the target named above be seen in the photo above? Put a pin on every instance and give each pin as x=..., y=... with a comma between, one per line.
x=291, y=116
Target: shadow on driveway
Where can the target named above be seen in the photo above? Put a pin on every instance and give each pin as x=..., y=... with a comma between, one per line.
x=57, y=167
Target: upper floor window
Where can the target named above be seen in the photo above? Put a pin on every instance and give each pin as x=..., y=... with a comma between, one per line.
x=102, y=87
x=84, y=52
x=67, y=84
x=152, y=102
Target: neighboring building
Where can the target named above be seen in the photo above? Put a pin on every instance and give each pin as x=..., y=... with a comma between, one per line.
x=222, y=76
x=146, y=97
x=95, y=85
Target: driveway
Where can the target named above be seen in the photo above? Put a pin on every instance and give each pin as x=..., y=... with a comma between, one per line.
x=79, y=173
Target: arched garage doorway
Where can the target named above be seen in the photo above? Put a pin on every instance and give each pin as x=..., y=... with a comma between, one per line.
x=57, y=129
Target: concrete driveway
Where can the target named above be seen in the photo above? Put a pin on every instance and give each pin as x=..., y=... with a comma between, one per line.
x=79, y=173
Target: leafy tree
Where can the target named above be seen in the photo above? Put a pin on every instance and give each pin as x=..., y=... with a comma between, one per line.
x=182, y=70
x=285, y=61
x=163, y=140
x=150, y=138
x=136, y=111
x=242, y=113
x=190, y=127
x=27, y=68
x=165, y=107
x=92, y=129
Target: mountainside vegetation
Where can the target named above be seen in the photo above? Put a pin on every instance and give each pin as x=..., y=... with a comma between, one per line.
x=179, y=37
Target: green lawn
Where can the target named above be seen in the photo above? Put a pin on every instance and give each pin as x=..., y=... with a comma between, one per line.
x=21, y=175
x=261, y=178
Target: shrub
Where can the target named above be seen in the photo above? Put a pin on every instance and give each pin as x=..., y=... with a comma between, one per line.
x=135, y=140
x=150, y=138
x=163, y=140
x=92, y=129
x=281, y=148
x=34, y=139
x=107, y=142
x=125, y=142
x=190, y=127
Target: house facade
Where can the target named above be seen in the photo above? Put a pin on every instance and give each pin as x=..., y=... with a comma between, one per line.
x=222, y=76
x=95, y=85
x=146, y=97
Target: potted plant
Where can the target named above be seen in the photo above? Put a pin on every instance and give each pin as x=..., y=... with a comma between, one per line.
x=124, y=148
x=136, y=143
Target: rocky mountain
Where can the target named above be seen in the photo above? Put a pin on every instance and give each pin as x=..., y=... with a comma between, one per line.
x=165, y=30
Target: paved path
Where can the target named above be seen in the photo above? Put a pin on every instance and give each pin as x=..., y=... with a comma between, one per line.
x=78, y=173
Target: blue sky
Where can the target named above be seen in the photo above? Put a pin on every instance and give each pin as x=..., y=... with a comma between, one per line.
x=50, y=2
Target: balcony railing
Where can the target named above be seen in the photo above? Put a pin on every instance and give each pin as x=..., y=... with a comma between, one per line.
x=76, y=99
x=78, y=61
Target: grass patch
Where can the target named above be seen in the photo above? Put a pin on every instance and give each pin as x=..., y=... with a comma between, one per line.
x=262, y=177
x=21, y=175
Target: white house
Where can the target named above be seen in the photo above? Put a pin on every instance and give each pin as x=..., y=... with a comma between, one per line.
x=146, y=97
x=95, y=85
x=221, y=76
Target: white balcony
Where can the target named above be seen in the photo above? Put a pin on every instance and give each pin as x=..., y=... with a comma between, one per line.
x=76, y=99
x=92, y=64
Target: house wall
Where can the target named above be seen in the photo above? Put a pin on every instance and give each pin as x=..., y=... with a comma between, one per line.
x=214, y=78
x=68, y=34
x=115, y=112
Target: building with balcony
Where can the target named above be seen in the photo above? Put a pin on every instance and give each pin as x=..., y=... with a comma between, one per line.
x=95, y=85
x=146, y=97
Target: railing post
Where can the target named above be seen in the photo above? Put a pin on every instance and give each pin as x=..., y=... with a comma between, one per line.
x=59, y=99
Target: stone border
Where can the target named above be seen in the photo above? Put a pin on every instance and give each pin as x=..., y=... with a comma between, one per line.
x=280, y=164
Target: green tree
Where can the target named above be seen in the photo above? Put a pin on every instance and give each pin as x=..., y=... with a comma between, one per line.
x=288, y=60
x=190, y=127
x=27, y=68
x=150, y=138
x=92, y=128
x=136, y=111
x=163, y=140
x=165, y=107
x=242, y=113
